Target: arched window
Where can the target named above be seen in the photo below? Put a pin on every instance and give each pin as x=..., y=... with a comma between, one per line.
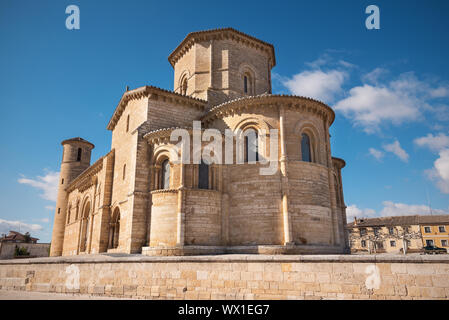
x=165, y=181
x=247, y=84
x=306, y=148
x=114, y=231
x=251, y=146
x=77, y=210
x=78, y=157
x=203, y=176
x=85, y=227
x=184, y=86
x=68, y=214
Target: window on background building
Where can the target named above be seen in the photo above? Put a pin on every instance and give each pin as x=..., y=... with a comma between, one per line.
x=379, y=245
x=441, y=229
x=363, y=243
x=429, y=243
x=362, y=231
x=391, y=230
x=78, y=157
x=427, y=230
x=392, y=243
x=376, y=231
x=444, y=243
x=166, y=174
x=305, y=148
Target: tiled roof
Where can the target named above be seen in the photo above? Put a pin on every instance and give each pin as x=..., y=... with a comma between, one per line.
x=146, y=91
x=14, y=236
x=217, y=34
x=77, y=139
x=401, y=221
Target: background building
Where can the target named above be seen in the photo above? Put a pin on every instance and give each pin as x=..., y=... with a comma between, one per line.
x=27, y=245
x=392, y=234
x=435, y=230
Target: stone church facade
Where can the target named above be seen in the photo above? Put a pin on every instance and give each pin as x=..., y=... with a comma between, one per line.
x=138, y=199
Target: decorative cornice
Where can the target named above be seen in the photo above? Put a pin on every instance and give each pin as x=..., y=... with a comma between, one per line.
x=78, y=140
x=340, y=163
x=164, y=133
x=299, y=103
x=220, y=34
x=164, y=191
x=153, y=93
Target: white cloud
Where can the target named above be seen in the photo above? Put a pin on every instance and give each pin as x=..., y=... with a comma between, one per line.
x=401, y=209
x=439, y=174
x=317, y=84
x=396, y=149
x=346, y=64
x=50, y=207
x=376, y=153
x=391, y=209
x=373, y=76
x=6, y=226
x=48, y=184
x=369, y=106
x=404, y=99
x=440, y=92
x=440, y=171
x=434, y=143
x=353, y=211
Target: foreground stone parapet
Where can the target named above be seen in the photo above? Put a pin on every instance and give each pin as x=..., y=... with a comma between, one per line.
x=233, y=276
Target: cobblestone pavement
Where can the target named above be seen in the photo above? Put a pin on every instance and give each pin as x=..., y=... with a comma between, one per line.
x=26, y=295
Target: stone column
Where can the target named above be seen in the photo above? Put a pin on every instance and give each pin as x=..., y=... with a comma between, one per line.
x=284, y=180
x=332, y=195
x=181, y=206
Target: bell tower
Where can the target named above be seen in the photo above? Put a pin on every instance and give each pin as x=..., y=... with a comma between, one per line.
x=75, y=159
x=221, y=65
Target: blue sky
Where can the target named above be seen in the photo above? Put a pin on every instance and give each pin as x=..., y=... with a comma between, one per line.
x=389, y=88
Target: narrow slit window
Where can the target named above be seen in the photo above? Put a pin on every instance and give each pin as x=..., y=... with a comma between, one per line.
x=166, y=174
x=78, y=157
x=251, y=147
x=184, y=86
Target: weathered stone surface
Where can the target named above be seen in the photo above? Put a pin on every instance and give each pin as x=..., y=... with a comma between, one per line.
x=224, y=277
x=119, y=205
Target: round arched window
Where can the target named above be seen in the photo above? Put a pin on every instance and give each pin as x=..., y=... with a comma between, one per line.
x=305, y=148
x=165, y=174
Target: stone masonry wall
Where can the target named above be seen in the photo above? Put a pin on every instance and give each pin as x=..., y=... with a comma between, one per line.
x=234, y=276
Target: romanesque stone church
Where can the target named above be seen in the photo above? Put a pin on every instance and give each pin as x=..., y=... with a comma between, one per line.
x=138, y=199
